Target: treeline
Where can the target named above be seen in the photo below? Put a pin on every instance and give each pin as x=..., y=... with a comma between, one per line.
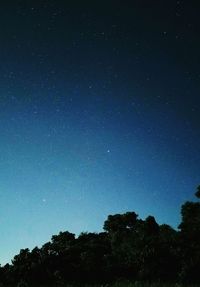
x=129, y=249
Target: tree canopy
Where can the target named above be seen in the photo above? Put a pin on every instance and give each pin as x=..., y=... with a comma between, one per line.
x=129, y=248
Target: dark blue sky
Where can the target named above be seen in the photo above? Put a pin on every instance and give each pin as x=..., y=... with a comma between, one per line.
x=99, y=113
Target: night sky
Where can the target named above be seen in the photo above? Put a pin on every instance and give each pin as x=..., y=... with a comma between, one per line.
x=99, y=114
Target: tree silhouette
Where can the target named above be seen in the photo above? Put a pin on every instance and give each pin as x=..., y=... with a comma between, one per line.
x=198, y=192
x=190, y=240
x=129, y=248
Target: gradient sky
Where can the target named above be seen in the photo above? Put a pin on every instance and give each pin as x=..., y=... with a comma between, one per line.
x=99, y=114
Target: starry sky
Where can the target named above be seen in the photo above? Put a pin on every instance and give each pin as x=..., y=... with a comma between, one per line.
x=99, y=114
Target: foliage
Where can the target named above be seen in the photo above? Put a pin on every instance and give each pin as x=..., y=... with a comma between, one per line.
x=129, y=249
